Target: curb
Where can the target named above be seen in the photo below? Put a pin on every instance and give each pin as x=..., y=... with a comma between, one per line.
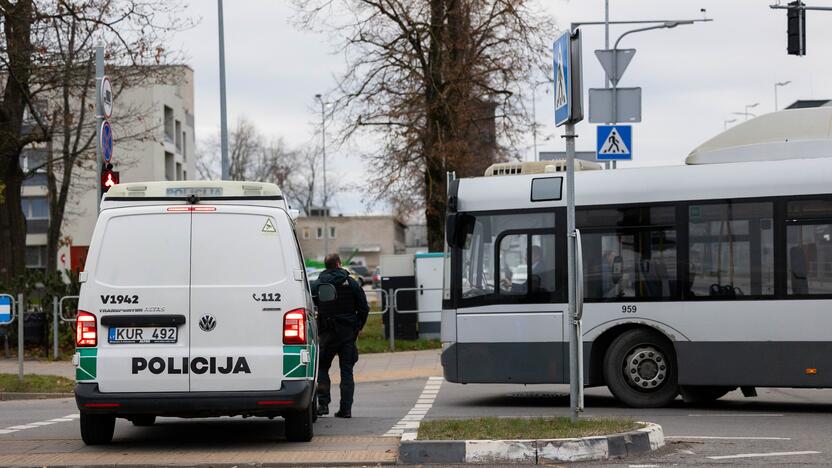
x=8, y=396
x=543, y=451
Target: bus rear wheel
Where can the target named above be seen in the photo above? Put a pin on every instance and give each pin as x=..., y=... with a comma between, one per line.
x=640, y=369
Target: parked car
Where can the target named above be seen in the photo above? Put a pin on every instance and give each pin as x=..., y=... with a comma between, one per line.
x=363, y=272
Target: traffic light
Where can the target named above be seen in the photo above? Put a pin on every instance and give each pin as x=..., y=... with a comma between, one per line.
x=796, y=18
x=109, y=177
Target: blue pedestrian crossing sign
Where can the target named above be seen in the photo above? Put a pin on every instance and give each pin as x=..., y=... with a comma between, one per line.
x=5, y=309
x=614, y=143
x=563, y=86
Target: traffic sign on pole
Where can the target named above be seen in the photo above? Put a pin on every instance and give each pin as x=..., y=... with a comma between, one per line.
x=567, y=68
x=5, y=309
x=612, y=105
x=615, y=62
x=105, y=134
x=614, y=143
x=105, y=95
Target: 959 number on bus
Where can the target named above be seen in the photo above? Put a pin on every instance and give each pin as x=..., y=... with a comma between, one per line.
x=629, y=309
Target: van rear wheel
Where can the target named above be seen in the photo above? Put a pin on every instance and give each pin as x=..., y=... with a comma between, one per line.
x=640, y=369
x=97, y=429
x=299, y=425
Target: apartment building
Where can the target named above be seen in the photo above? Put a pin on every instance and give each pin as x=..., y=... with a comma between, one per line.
x=165, y=151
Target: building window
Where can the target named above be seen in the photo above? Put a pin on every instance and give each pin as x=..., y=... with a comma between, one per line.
x=178, y=133
x=170, y=167
x=332, y=232
x=35, y=208
x=319, y=234
x=178, y=171
x=169, y=125
x=184, y=147
x=809, y=247
x=36, y=256
x=731, y=250
x=184, y=175
x=306, y=233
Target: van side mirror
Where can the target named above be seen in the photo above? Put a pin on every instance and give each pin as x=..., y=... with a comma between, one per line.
x=294, y=214
x=326, y=292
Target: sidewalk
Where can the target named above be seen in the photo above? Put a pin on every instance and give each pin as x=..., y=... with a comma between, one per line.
x=374, y=367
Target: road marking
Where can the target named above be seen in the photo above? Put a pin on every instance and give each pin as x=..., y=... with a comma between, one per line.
x=33, y=425
x=727, y=438
x=408, y=426
x=644, y=466
x=757, y=455
x=734, y=415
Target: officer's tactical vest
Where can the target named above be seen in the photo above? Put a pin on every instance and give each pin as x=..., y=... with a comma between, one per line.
x=342, y=309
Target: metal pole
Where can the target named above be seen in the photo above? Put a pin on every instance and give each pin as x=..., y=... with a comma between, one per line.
x=55, y=328
x=606, y=47
x=326, y=194
x=223, y=112
x=775, y=97
x=20, y=319
x=534, y=120
x=391, y=318
x=99, y=119
x=574, y=339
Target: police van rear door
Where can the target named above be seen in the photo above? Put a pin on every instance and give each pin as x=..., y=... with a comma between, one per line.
x=138, y=289
x=241, y=287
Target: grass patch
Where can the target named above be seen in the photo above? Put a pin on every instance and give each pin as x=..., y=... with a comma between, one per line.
x=372, y=339
x=36, y=383
x=492, y=428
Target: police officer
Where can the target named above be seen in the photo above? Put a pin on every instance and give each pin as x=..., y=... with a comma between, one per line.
x=339, y=324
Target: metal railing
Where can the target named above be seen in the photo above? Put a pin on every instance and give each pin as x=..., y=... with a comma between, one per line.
x=394, y=306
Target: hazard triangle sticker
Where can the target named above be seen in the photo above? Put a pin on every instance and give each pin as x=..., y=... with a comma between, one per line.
x=269, y=227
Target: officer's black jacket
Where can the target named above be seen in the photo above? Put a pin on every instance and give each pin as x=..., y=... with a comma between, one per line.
x=350, y=305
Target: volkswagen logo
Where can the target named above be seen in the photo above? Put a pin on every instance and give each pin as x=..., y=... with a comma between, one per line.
x=207, y=323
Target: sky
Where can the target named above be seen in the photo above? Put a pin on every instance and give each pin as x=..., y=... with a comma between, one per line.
x=693, y=77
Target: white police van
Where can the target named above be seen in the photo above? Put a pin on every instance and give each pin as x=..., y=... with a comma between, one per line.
x=194, y=303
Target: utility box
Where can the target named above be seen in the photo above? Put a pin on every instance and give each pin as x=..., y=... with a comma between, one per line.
x=398, y=271
x=429, y=276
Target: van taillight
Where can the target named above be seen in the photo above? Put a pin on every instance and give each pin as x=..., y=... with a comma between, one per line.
x=294, y=327
x=86, y=332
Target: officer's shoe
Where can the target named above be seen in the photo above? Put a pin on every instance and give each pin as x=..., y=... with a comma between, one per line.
x=323, y=410
x=343, y=413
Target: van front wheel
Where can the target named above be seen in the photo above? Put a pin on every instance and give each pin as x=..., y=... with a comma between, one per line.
x=299, y=425
x=97, y=429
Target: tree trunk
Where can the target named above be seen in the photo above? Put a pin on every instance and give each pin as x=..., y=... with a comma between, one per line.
x=12, y=221
x=17, y=23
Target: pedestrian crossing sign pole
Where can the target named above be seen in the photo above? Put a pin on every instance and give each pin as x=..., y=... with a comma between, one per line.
x=614, y=143
x=569, y=111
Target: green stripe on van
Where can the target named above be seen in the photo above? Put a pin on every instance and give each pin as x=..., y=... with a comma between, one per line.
x=86, y=369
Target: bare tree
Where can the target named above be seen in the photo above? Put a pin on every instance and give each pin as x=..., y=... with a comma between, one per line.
x=439, y=81
x=254, y=157
x=46, y=58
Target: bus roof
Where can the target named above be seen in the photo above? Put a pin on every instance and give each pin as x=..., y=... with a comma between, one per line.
x=655, y=184
x=787, y=134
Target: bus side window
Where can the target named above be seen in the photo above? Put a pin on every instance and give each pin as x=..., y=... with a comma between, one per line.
x=809, y=247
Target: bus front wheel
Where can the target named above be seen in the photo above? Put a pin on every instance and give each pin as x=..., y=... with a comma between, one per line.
x=640, y=369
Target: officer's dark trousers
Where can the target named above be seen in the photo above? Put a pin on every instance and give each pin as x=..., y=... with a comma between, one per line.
x=341, y=343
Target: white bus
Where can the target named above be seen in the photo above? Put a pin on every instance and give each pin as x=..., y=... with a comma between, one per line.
x=697, y=279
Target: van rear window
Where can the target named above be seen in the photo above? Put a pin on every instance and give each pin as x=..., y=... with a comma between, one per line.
x=145, y=250
x=236, y=249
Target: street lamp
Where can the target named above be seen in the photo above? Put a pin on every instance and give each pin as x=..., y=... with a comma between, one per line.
x=319, y=97
x=726, y=122
x=746, y=113
x=534, y=114
x=777, y=85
